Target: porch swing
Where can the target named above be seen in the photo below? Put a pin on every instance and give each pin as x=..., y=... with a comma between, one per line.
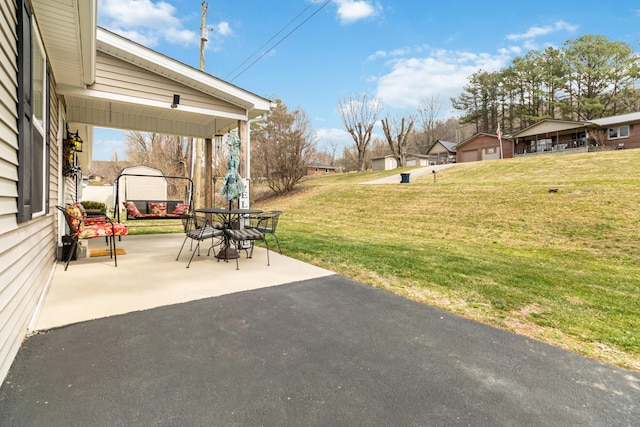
x=142, y=192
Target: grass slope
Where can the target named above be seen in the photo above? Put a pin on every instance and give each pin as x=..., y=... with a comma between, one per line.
x=490, y=242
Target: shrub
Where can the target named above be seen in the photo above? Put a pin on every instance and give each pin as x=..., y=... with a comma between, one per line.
x=89, y=204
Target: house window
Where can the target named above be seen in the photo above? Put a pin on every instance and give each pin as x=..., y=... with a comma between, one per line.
x=491, y=150
x=619, y=132
x=33, y=126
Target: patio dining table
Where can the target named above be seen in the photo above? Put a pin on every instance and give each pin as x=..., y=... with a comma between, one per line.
x=229, y=217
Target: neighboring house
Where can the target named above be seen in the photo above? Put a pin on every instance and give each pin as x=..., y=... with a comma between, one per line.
x=442, y=152
x=417, y=160
x=552, y=135
x=389, y=162
x=60, y=72
x=483, y=146
x=322, y=170
x=384, y=163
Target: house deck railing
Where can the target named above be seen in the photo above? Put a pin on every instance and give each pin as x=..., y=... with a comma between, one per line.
x=539, y=147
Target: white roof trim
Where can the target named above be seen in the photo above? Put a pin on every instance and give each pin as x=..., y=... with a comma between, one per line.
x=88, y=17
x=139, y=55
x=614, y=120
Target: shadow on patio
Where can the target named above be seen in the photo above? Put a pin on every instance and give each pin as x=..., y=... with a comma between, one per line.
x=149, y=276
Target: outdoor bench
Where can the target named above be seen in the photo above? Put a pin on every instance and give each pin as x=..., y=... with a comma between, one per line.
x=155, y=209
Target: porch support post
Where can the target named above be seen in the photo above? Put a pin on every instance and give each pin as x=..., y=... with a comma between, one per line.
x=208, y=175
x=243, y=134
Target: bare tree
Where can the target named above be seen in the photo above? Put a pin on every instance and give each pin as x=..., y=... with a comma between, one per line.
x=396, y=129
x=429, y=110
x=281, y=147
x=359, y=115
x=333, y=152
x=164, y=152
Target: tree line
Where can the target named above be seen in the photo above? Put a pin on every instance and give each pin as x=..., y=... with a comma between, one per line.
x=587, y=78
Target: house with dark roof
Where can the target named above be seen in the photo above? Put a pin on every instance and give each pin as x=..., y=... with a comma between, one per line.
x=442, y=152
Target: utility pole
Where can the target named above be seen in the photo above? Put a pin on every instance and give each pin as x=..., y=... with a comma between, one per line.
x=203, y=33
x=197, y=169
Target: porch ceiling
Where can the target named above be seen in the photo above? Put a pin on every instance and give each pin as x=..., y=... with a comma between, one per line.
x=549, y=126
x=144, y=115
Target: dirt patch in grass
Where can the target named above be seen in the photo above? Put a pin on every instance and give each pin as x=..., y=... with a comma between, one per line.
x=520, y=321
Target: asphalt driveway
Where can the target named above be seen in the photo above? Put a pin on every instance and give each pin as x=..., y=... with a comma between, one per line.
x=321, y=352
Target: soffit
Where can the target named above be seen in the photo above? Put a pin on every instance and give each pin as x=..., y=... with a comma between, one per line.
x=68, y=30
x=549, y=126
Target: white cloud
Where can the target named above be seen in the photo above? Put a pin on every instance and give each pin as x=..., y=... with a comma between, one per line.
x=394, y=53
x=350, y=11
x=145, y=21
x=223, y=29
x=443, y=73
x=326, y=136
x=377, y=54
x=535, y=32
x=107, y=143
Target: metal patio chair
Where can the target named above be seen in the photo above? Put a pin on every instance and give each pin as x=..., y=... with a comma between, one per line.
x=267, y=222
x=198, y=229
x=247, y=234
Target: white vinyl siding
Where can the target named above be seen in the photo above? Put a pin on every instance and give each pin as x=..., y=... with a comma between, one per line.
x=27, y=250
x=120, y=77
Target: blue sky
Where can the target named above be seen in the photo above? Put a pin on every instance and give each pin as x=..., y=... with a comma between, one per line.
x=398, y=50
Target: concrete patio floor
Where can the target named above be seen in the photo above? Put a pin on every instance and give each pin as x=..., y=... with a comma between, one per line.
x=149, y=276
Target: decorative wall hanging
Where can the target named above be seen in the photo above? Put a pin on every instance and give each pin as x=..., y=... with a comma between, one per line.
x=71, y=145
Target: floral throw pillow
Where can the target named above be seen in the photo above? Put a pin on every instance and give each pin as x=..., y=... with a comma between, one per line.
x=159, y=209
x=132, y=209
x=181, y=209
x=75, y=216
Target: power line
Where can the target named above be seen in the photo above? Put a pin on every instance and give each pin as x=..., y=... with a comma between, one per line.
x=268, y=41
x=279, y=41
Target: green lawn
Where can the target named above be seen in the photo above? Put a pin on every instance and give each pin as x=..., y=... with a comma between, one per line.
x=490, y=242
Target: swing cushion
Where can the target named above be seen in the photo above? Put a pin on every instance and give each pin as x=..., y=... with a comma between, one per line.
x=158, y=208
x=181, y=209
x=132, y=209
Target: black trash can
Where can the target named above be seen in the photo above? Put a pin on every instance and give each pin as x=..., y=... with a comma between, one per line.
x=404, y=178
x=67, y=242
